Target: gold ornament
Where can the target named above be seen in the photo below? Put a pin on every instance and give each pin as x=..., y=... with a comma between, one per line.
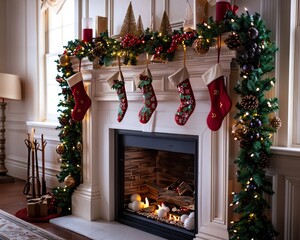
x=61, y=149
x=70, y=181
x=238, y=130
x=64, y=60
x=276, y=122
x=200, y=46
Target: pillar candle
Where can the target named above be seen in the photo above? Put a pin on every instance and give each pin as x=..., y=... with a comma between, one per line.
x=87, y=29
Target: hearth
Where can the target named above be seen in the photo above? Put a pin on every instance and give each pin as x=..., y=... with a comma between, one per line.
x=156, y=182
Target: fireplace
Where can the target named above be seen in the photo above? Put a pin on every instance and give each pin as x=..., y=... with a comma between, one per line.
x=96, y=197
x=161, y=168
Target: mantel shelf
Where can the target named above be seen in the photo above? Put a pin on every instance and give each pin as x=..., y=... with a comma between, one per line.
x=197, y=65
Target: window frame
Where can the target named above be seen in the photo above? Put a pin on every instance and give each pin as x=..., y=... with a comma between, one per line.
x=44, y=56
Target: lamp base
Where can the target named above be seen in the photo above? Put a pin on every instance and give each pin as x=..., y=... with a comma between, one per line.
x=6, y=179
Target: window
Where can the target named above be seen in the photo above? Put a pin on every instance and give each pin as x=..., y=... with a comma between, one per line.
x=60, y=28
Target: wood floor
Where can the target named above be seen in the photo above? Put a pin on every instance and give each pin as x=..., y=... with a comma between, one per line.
x=12, y=200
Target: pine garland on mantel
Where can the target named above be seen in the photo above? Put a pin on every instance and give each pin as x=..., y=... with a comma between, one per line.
x=255, y=119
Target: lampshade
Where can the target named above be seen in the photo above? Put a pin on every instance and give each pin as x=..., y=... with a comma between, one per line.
x=10, y=86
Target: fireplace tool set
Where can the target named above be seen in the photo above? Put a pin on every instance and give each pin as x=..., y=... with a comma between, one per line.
x=34, y=187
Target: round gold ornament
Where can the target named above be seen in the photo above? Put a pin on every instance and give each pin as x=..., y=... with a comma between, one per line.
x=200, y=46
x=64, y=60
x=276, y=122
x=61, y=149
x=238, y=130
x=70, y=181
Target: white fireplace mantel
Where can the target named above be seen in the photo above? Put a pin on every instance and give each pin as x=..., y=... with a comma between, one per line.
x=94, y=198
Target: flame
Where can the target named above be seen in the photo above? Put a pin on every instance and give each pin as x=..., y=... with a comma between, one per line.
x=146, y=204
x=174, y=218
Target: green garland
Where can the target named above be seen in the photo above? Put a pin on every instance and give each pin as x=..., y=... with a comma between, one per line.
x=253, y=127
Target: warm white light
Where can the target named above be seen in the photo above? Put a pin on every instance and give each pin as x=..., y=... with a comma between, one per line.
x=269, y=104
x=146, y=203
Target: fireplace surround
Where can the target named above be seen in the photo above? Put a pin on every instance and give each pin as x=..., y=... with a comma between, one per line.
x=95, y=198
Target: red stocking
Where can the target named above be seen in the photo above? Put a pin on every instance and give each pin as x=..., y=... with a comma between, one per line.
x=180, y=79
x=144, y=82
x=220, y=101
x=117, y=82
x=82, y=100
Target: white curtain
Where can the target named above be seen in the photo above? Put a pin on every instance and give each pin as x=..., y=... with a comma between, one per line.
x=52, y=3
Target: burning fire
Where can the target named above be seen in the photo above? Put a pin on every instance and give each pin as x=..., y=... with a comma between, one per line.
x=146, y=204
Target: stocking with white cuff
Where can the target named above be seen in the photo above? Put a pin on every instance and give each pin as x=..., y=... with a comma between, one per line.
x=180, y=79
x=144, y=82
x=117, y=82
x=220, y=101
x=82, y=100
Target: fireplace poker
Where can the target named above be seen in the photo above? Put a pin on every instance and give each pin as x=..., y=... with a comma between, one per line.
x=26, y=189
x=44, y=143
x=36, y=148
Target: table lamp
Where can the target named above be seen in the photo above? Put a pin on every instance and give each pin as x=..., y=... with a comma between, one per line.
x=10, y=88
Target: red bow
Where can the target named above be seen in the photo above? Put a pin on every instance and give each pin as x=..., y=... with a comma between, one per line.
x=234, y=9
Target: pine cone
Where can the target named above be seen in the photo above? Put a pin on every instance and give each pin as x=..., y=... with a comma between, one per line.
x=249, y=102
x=264, y=160
x=233, y=41
x=98, y=51
x=276, y=122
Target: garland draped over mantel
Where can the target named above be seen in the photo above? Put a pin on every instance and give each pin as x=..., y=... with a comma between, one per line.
x=255, y=119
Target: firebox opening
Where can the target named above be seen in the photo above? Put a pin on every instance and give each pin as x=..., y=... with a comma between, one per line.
x=156, y=182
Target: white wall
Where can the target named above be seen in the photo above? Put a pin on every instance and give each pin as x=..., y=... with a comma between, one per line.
x=18, y=29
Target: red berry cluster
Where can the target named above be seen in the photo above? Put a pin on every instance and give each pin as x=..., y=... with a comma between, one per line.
x=179, y=39
x=158, y=51
x=79, y=51
x=129, y=41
